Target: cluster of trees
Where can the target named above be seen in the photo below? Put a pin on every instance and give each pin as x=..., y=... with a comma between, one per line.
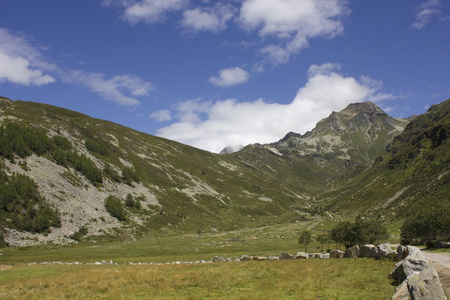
x=427, y=225
x=20, y=198
x=358, y=232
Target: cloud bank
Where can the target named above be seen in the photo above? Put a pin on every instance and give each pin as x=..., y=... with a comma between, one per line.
x=21, y=63
x=214, y=126
x=24, y=64
x=284, y=27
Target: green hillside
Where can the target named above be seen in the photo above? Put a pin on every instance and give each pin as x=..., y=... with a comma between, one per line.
x=413, y=172
x=161, y=186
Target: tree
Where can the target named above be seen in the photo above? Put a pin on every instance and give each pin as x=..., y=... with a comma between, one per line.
x=113, y=205
x=305, y=238
x=323, y=239
x=359, y=232
x=427, y=226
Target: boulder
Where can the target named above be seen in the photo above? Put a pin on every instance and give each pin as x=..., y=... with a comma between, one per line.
x=246, y=257
x=286, y=255
x=272, y=257
x=315, y=255
x=260, y=258
x=443, y=244
x=368, y=251
x=218, y=259
x=325, y=255
x=302, y=255
x=336, y=254
x=418, y=280
x=351, y=252
x=402, y=252
x=385, y=251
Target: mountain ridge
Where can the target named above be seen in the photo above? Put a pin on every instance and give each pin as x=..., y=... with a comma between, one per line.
x=181, y=188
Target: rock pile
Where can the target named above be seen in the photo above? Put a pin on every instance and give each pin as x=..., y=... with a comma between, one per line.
x=417, y=279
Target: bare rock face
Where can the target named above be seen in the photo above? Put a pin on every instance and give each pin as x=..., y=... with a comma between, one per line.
x=418, y=279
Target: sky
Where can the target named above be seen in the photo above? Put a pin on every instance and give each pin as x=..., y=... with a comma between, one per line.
x=213, y=74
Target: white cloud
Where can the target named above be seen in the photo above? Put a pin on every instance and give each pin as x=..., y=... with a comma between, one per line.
x=230, y=76
x=20, y=62
x=212, y=19
x=425, y=12
x=213, y=126
x=113, y=89
x=291, y=23
x=148, y=11
x=161, y=115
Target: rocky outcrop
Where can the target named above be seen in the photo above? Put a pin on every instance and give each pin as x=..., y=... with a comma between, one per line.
x=418, y=280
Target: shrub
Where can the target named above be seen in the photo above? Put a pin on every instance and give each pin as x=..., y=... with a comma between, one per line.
x=114, y=207
x=129, y=175
x=130, y=202
x=96, y=146
x=109, y=170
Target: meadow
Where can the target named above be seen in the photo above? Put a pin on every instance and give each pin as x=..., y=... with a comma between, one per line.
x=22, y=276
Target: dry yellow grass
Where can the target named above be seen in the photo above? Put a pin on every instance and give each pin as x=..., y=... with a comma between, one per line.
x=290, y=279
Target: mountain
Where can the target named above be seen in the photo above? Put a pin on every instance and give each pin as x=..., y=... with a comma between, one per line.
x=412, y=173
x=67, y=176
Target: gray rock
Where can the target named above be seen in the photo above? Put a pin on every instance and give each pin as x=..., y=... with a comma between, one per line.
x=325, y=255
x=286, y=255
x=302, y=255
x=418, y=280
x=402, y=252
x=218, y=259
x=260, y=258
x=336, y=254
x=272, y=257
x=385, y=251
x=443, y=244
x=352, y=252
x=246, y=257
x=368, y=250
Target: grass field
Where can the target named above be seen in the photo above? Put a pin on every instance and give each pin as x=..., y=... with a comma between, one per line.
x=287, y=279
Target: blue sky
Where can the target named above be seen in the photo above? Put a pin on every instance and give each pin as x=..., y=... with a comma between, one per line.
x=225, y=73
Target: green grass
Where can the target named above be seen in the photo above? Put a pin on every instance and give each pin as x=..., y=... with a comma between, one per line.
x=289, y=279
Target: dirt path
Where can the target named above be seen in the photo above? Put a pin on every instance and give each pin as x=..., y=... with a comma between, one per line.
x=441, y=262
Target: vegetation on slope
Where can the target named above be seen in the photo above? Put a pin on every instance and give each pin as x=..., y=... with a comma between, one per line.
x=412, y=174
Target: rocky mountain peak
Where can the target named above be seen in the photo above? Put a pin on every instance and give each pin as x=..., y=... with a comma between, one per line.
x=366, y=108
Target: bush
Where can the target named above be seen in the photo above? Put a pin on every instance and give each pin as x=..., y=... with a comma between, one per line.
x=130, y=202
x=114, y=207
x=109, y=170
x=97, y=147
x=129, y=175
